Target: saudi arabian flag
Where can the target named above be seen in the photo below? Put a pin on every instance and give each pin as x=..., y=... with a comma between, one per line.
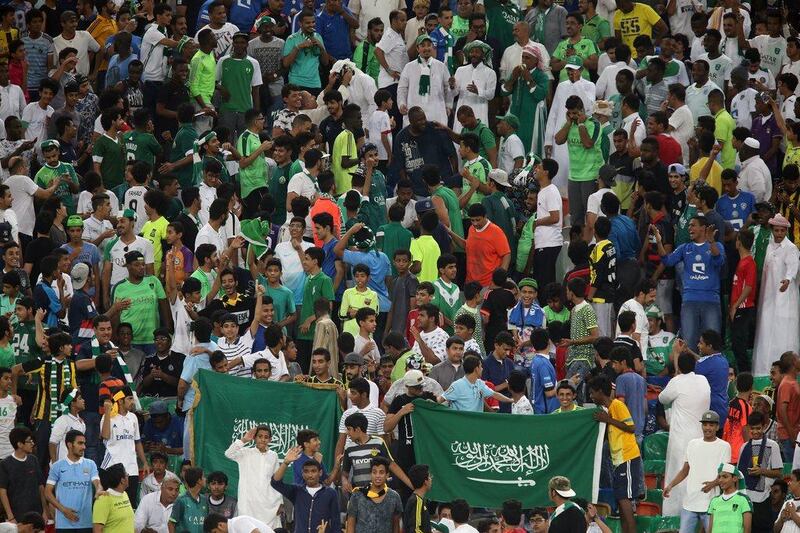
x=487, y=458
x=226, y=407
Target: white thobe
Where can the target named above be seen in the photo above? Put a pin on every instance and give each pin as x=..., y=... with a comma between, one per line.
x=361, y=92
x=485, y=80
x=606, y=86
x=690, y=397
x=512, y=57
x=558, y=116
x=437, y=102
x=778, y=328
x=755, y=178
x=256, y=497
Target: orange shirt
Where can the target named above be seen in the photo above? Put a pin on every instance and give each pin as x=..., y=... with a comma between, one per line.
x=789, y=393
x=485, y=251
x=326, y=205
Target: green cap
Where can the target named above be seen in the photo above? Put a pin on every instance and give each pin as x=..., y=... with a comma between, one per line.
x=74, y=221
x=130, y=213
x=653, y=312
x=423, y=37
x=528, y=282
x=510, y=119
x=49, y=143
x=574, y=63
x=264, y=20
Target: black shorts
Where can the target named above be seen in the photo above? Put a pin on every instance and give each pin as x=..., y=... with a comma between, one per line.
x=627, y=480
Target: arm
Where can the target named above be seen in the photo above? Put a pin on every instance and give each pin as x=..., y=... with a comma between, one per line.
x=397, y=472
x=561, y=135
x=391, y=420
x=679, y=477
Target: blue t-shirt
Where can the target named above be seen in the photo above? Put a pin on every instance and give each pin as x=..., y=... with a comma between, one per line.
x=202, y=15
x=624, y=237
x=297, y=470
x=336, y=33
x=171, y=436
x=497, y=372
x=701, y=270
x=329, y=266
x=136, y=44
x=543, y=378
x=715, y=369
x=89, y=255
x=73, y=483
x=190, y=367
x=466, y=396
x=633, y=388
x=379, y=268
x=735, y=210
x=46, y=298
x=118, y=68
x=81, y=312
x=243, y=13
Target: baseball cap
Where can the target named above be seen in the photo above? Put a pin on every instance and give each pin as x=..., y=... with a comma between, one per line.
x=574, y=63
x=413, y=378
x=130, y=213
x=607, y=173
x=710, y=416
x=499, y=176
x=510, y=119
x=653, y=312
x=422, y=38
x=161, y=332
x=562, y=486
x=133, y=256
x=767, y=399
x=264, y=20
x=423, y=205
x=74, y=221
x=80, y=274
x=677, y=168
x=353, y=358
x=158, y=407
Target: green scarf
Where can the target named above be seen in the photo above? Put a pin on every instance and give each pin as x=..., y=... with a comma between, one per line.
x=424, y=77
x=122, y=364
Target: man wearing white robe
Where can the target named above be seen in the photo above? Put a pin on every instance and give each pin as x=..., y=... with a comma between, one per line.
x=512, y=56
x=411, y=91
x=778, y=328
x=476, y=82
x=686, y=397
x=754, y=176
x=356, y=87
x=257, y=464
x=573, y=85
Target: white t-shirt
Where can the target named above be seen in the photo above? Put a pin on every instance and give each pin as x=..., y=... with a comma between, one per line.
x=61, y=426
x=360, y=342
x=549, y=199
x=247, y=524
x=697, y=99
x=303, y=185
x=378, y=124
x=764, y=76
x=93, y=228
x=511, y=148
x=224, y=37
x=719, y=69
x=410, y=215
x=208, y=235
x=522, y=406
x=436, y=341
x=22, y=190
x=743, y=105
x=789, y=526
x=36, y=119
x=279, y=368
x=641, y=323
x=8, y=412
x=84, y=43
x=116, y=254
x=394, y=48
x=134, y=200
x=207, y=196
x=593, y=202
x=85, y=203
x=682, y=120
x=182, y=339
x=121, y=446
x=704, y=458
x=12, y=101
x=153, y=54
x=375, y=419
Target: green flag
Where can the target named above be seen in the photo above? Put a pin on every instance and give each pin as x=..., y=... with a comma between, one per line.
x=229, y=406
x=487, y=458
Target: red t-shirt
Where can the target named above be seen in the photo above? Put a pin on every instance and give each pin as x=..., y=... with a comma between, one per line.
x=485, y=251
x=789, y=394
x=669, y=151
x=738, y=411
x=745, y=275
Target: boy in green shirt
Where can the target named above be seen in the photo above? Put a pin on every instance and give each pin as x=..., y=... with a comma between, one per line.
x=526, y=244
x=499, y=208
x=447, y=296
x=108, y=153
x=140, y=143
x=344, y=156
x=191, y=508
x=393, y=236
x=253, y=170
x=155, y=229
x=357, y=297
x=180, y=156
x=477, y=167
x=112, y=511
x=318, y=285
x=56, y=170
x=731, y=511
x=282, y=297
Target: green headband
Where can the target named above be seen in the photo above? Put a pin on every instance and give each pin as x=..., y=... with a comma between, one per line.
x=208, y=136
x=528, y=282
x=70, y=398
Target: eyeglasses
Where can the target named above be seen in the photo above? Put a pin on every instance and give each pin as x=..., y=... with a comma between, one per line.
x=538, y=520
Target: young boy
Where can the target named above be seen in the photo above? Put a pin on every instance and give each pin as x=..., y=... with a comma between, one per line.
x=742, y=310
x=516, y=385
x=526, y=315
x=380, y=126
x=447, y=296
x=464, y=327
x=8, y=412
x=393, y=236
x=191, y=507
x=404, y=290
x=308, y=440
x=317, y=285
x=738, y=412
x=760, y=462
x=53, y=170
x=357, y=297
x=366, y=318
x=155, y=229
x=133, y=198
x=659, y=343
x=731, y=511
x=140, y=143
x=471, y=307
x=555, y=310
x=182, y=258
x=542, y=374
x=236, y=346
x=631, y=388
x=11, y=288
x=424, y=295
x=64, y=423
x=218, y=501
x=603, y=276
x=526, y=245
x=152, y=483
x=282, y=297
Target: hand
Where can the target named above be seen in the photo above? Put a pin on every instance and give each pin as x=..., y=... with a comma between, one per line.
x=656, y=233
x=711, y=232
x=166, y=168
x=571, y=51
x=323, y=525
x=368, y=347
x=146, y=469
x=636, y=124
x=71, y=514
x=715, y=150
x=548, y=150
x=784, y=285
x=602, y=416
x=358, y=226
x=407, y=409
x=565, y=343
x=249, y=436
x=414, y=332
x=394, y=74
x=292, y=454
x=452, y=82
x=472, y=88
x=210, y=112
x=732, y=313
x=17, y=399
x=41, y=313
x=708, y=486
x=267, y=145
x=666, y=492
x=403, y=109
x=755, y=471
x=124, y=304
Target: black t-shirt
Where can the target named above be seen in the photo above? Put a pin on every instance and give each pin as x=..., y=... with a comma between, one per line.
x=242, y=308
x=497, y=304
x=569, y=521
x=23, y=491
x=630, y=344
x=405, y=430
x=330, y=128
x=416, y=507
x=190, y=230
x=172, y=365
x=36, y=249
x=171, y=96
x=677, y=203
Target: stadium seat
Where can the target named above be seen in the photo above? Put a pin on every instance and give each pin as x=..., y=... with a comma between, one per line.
x=655, y=446
x=655, y=496
x=648, y=509
x=603, y=509
x=651, y=481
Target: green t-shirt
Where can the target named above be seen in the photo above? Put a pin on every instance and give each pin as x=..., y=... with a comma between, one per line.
x=352, y=297
x=658, y=351
x=365, y=59
x=501, y=17
x=282, y=299
x=390, y=237
x=723, y=132
x=188, y=514
x=426, y=250
x=182, y=145
x=584, y=163
x=583, y=49
x=596, y=29
x=582, y=319
x=485, y=135
x=205, y=282
x=728, y=511
x=110, y=155
x=202, y=76
x=501, y=212
x=143, y=312
x=155, y=231
x=317, y=286
x=556, y=316
x=255, y=175
x=305, y=69
x=525, y=243
x=460, y=27
x=114, y=511
x=450, y=200
x=478, y=167
x=141, y=146
x=7, y=359
x=278, y=183
x=47, y=174
x=25, y=348
x=399, y=369
x=344, y=145
x=605, y=140
x=448, y=298
x=682, y=227
x=237, y=76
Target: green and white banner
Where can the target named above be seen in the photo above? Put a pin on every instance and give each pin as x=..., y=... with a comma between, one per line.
x=487, y=458
x=228, y=406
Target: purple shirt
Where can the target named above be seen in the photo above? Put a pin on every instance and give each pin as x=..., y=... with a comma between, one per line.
x=764, y=130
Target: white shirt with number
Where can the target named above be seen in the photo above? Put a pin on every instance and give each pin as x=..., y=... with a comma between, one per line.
x=8, y=412
x=121, y=444
x=134, y=200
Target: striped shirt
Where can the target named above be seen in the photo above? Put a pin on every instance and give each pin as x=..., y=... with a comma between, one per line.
x=239, y=348
x=357, y=458
x=42, y=370
x=375, y=418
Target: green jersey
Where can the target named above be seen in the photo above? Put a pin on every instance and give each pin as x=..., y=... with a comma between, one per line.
x=525, y=244
x=238, y=76
x=447, y=297
x=658, y=350
x=317, y=286
x=110, y=155
x=728, y=511
x=183, y=145
x=582, y=320
x=584, y=163
x=501, y=17
x=682, y=227
x=556, y=316
x=478, y=167
x=47, y=174
x=278, y=183
x=282, y=299
x=375, y=210
x=256, y=174
x=500, y=211
x=25, y=348
x=460, y=27
x=605, y=140
x=596, y=29
x=393, y=236
x=143, y=313
x=365, y=59
x=141, y=146
x=450, y=200
x=485, y=135
x=584, y=49
x=206, y=281
x=188, y=514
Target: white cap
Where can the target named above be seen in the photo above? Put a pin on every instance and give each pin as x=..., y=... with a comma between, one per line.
x=752, y=143
x=413, y=378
